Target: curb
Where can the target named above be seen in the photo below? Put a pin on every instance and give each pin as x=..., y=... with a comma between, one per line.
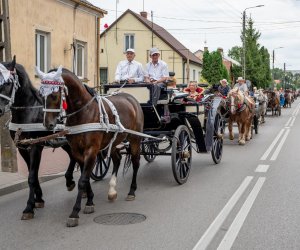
x=24, y=184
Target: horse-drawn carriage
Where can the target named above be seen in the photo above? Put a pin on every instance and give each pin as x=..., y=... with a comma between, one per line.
x=192, y=125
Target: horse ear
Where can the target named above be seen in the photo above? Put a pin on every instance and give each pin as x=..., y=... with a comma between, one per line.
x=58, y=72
x=39, y=73
x=13, y=63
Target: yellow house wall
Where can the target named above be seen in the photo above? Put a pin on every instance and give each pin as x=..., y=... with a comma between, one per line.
x=56, y=18
x=113, y=49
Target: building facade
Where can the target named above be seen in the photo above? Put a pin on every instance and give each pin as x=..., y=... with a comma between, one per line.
x=132, y=30
x=50, y=33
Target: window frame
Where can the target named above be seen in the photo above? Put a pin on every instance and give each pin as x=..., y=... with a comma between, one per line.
x=83, y=46
x=46, y=35
x=131, y=40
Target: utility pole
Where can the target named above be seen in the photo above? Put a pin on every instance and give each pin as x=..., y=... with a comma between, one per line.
x=244, y=38
x=244, y=44
x=273, y=60
x=8, y=149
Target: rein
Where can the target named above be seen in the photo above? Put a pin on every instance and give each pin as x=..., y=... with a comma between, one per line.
x=79, y=110
x=15, y=79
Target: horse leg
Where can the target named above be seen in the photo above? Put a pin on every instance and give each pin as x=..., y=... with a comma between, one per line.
x=33, y=158
x=231, y=135
x=242, y=134
x=70, y=183
x=116, y=158
x=135, y=158
x=83, y=185
x=240, y=130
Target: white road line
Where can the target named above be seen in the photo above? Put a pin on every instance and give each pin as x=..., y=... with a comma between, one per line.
x=266, y=154
x=293, y=120
x=276, y=152
x=262, y=168
x=239, y=220
x=297, y=112
x=288, y=122
x=219, y=220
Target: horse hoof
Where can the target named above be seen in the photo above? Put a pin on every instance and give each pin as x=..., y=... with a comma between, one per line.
x=231, y=137
x=242, y=142
x=39, y=204
x=27, y=216
x=89, y=210
x=72, y=222
x=71, y=187
x=84, y=195
x=112, y=197
x=130, y=197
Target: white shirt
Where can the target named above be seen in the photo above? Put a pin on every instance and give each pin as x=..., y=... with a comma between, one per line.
x=243, y=87
x=129, y=70
x=157, y=71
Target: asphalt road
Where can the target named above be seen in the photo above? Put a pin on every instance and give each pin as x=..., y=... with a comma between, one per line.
x=250, y=200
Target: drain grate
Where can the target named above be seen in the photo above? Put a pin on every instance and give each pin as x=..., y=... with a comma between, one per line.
x=120, y=218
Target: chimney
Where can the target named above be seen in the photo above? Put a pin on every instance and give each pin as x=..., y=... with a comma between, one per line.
x=221, y=51
x=144, y=14
x=205, y=48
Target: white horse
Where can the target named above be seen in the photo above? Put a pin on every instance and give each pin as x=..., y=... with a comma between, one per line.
x=262, y=100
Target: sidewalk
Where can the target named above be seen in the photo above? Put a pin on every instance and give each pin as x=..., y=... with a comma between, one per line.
x=53, y=165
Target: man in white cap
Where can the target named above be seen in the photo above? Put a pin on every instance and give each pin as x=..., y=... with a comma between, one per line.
x=156, y=70
x=223, y=87
x=241, y=84
x=129, y=70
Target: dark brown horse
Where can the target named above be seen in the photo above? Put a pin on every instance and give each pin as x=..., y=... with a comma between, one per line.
x=273, y=102
x=83, y=108
x=18, y=95
x=241, y=112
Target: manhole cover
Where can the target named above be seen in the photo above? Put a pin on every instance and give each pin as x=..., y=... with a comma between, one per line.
x=120, y=219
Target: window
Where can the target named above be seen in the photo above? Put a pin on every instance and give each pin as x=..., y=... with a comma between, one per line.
x=129, y=41
x=194, y=75
x=80, y=60
x=42, y=50
x=103, y=76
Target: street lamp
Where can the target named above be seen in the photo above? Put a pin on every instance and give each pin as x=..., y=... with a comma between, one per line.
x=273, y=59
x=244, y=44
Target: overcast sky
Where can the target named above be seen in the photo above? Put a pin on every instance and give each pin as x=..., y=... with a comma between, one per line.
x=218, y=23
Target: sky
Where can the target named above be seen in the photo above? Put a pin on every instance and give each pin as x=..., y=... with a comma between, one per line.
x=218, y=23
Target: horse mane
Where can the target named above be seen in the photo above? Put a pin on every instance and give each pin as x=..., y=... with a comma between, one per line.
x=24, y=80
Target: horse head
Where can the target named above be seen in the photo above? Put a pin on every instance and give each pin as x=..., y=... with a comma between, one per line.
x=53, y=90
x=9, y=84
x=236, y=98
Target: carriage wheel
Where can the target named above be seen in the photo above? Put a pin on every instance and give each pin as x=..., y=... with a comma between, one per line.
x=149, y=149
x=255, y=124
x=217, y=147
x=181, y=154
x=101, y=166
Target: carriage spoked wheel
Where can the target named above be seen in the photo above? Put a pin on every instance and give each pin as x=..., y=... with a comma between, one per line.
x=149, y=149
x=255, y=124
x=181, y=154
x=101, y=166
x=217, y=147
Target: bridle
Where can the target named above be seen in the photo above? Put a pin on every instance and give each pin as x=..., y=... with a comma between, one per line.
x=13, y=78
x=49, y=87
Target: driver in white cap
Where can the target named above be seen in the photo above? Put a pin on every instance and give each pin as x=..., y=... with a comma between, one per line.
x=241, y=84
x=129, y=70
x=156, y=70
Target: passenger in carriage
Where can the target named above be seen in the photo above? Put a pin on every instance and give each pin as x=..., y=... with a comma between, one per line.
x=194, y=91
x=241, y=85
x=129, y=70
x=224, y=87
x=157, y=72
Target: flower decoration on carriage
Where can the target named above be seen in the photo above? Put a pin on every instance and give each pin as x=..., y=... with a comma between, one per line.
x=53, y=82
x=5, y=75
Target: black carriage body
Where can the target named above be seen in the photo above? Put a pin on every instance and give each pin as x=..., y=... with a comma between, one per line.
x=198, y=117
